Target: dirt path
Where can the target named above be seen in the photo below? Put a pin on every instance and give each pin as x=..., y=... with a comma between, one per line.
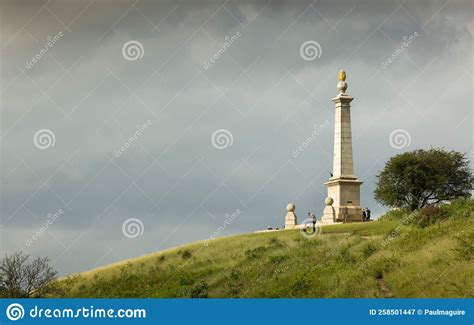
x=384, y=289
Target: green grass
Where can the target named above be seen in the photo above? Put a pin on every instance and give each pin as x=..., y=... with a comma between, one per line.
x=386, y=258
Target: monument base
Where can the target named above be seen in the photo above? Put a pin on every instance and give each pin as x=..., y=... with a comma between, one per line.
x=333, y=215
x=348, y=214
x=345, y=195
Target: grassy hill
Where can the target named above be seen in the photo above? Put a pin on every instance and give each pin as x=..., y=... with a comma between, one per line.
x=428, y=254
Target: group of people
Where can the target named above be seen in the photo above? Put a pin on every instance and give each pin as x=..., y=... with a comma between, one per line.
x=365, y=214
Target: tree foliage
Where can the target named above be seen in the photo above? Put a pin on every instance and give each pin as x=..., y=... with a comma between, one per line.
x=22, y=277
x=417, y=178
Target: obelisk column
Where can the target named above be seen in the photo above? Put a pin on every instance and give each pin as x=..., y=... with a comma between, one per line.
x=343, y=202
x=342, y=159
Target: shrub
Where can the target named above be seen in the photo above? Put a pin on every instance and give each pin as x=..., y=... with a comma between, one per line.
x=429, y=215
x=64, y=286
x=200, y=291
x=186, y=254
x=461, y=208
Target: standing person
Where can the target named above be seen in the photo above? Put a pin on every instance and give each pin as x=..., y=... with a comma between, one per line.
x=313, y=219
x=367, y=213
x=364, y=214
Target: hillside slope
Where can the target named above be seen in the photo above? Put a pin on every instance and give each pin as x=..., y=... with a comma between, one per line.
x=393, y=257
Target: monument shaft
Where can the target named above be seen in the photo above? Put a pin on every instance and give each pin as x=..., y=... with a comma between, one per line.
x=342, y=160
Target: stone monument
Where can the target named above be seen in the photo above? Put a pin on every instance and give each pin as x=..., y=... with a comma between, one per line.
x=343, y=202
x=290, y=218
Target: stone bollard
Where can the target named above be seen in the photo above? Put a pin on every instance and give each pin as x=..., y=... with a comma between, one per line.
x=290, y=218
x=328, y=212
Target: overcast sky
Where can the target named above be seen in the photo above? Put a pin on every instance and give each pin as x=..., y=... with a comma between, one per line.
x=80, y=78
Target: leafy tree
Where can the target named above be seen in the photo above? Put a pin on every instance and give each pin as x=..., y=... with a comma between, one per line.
x=21, y=277
x=417, y=178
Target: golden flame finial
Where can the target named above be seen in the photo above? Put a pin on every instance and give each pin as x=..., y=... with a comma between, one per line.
x=342, y=85
x=342, y=75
